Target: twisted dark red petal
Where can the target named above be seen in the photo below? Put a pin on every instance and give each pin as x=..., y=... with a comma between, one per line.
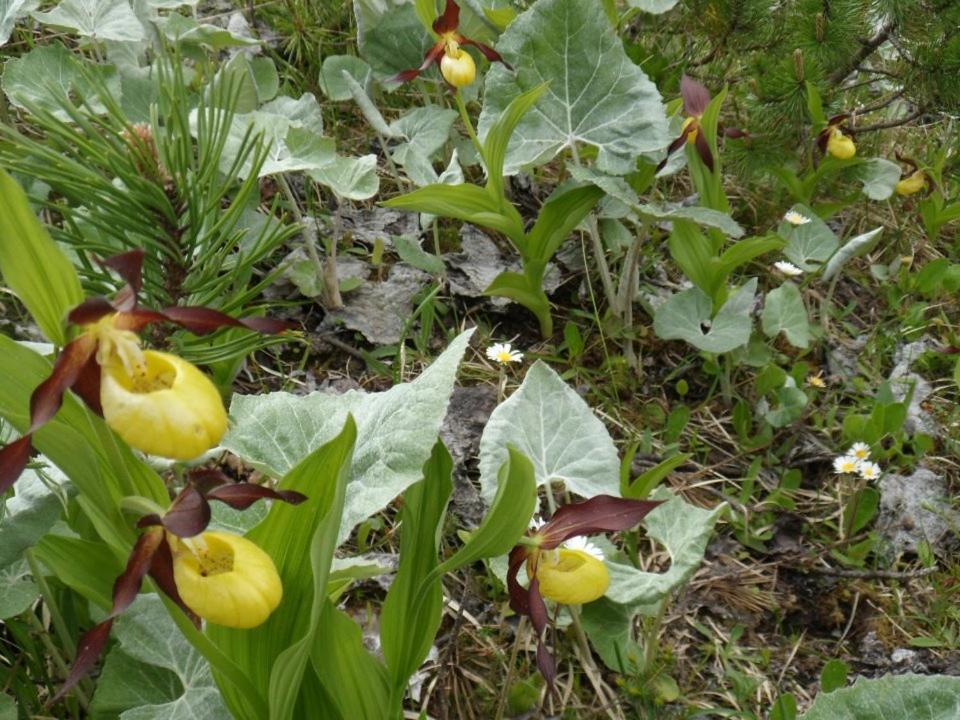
x=240, y=496
x=189, y=514
x=89, y=311
x=449, y=21
x=203, y=320
x=488, y=52
x=125, y=590
x=13, y=460
x=703, y=149
x=129, y=266
x=519, y=600
x=48, y=396
x=599, y=514
x=161, y=570
x=433, y=55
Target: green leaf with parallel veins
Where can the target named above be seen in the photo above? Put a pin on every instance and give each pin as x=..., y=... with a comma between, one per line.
x=785, y=312
x=687, y=316
x=397, y=431
x=98, y=19
x=154, y=673
x=597, y=96
x=550, y=423
x=891, y=697
x=465, y=202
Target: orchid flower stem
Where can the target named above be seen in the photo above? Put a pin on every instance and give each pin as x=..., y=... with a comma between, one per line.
x=468, y=124
x=517, y=639
x=551, y=503
x=81, y=693
x=651, y=640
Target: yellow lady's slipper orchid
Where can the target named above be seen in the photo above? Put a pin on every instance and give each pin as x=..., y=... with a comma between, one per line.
x=840, y=146
x=457, y=65
x=911, y=184
x=162, y=405
x=571, y=576
x=225, y=578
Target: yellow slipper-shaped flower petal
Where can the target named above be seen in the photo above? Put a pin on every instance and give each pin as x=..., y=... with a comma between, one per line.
x=458, y=68
x=226, y=579
x=571, y=577
x=840, y=146
x=166, y=407
x=911, y=184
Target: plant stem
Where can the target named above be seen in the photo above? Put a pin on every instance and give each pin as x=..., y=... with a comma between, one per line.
x=599, y=255
x=468, y=124
x=652, y=636
x=518, y=637
x=62, y=665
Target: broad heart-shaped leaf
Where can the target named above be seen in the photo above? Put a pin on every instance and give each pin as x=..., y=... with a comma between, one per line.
x=546, y=420
x=17, y=589
x=597, y=95
x=98, y=19
x=30, y=513
x=809, y=245
x=154, y=673
x=48, y=77
x=10, y=12
x=332, y=82
x=655, y=7
x=33, y=266
x=684, y=530
x=785, y=312
x=397, y=41
x=686, y=316
x=891, y=697
x=410, y=618
x=397, y=431
x=422, y=131
x=879, y=177
x=301, y=540
x=353, y=178
x=855, y=247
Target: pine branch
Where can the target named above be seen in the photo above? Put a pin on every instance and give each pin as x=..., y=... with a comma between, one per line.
x=892, y=123
x=867, y=48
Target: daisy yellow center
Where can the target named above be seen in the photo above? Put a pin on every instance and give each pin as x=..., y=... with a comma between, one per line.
x=848, y=466
x=503, y=356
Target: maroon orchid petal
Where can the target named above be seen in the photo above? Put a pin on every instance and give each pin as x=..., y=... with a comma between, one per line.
x=137, y=319
x=547, y=666
x=837, y=119
x=599, y=514
x=703, y=150
x=822, y=139
x=189, y=514
x=129, y=266
x=87, y=385
x=268, y=326
x=206, y=479
x=735, y=133
x=677, y=144
x=538, y=608
x=13, y=460
x=150, y=520
x=89, y=649
x=488, y=52
x=89, y=311
x=449, y=21
x=433, y=56
x=125, y=590
x=161, y=570
x=519, y=600
x=48, y=396
x=203, y=320
x=695, y=96
x=240, y=496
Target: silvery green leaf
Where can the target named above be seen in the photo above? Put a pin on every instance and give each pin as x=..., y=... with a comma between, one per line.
x=154, y=673
x=332, y=82
x=791, y=401
x=879, y=177
x=597, y=95
x=655, y=7
x=97, y=19
x=785, y=312
x=303, y=112
x=397, y=41
x=10, y=12
x=354, y=178
x=686, y=316
x=396, y=431
x=182, y=29
x=550, y=423
x=891, y=697
x=17, y=589
x=809, y=245
x=30, y=513
x=8, y=707
x=423, y=132
x=411, y=253
x=49, y=75
x=684, y=531
x=855, y=247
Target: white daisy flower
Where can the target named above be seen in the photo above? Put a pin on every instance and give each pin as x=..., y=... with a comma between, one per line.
x=859, y=450
x=787, y=268
x=503, y=353
x=869, y=470
x=795, y=218
x=846, y=465
x=581, y=543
